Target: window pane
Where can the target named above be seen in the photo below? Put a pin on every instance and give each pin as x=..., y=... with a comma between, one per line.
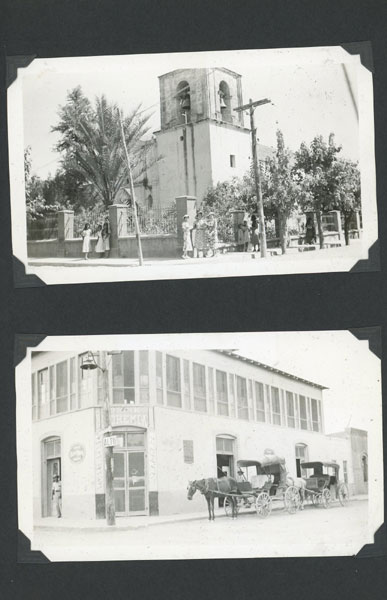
x=73, y=385
x=136, y=468
x=290, y=409
x=259, y=402
x=303, y=416
x=61, y=379
x=119, y=500
x=117, y=370
x=188, y=451
x=315, y=415
x=173, y=381
x=118, y=464
x=243, y=411
x=199, y=385
x=222, y=393
x=33, y=395
x=275, y=406
x=136, y=500
x=128, y=360
x=144, y=368
x=123, y=396
x=159, y=377
x=134, y=439
x=187, y=389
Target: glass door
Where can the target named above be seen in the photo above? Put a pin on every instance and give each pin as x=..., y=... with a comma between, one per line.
x=129, y=472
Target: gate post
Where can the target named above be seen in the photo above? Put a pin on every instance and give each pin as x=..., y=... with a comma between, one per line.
x=118, y=218
x=65, y=229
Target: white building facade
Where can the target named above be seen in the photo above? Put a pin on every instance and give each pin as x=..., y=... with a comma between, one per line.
x=176, y=416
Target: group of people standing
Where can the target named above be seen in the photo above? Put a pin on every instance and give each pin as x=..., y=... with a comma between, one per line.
x=201, y=238
x=248, y=234
x=102, y=246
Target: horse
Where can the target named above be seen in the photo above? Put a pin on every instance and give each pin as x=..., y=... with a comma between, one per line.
x=300, y=484
x=212, y=487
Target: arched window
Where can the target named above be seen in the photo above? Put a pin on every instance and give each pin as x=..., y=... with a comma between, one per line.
x=364, y=466
x=225, y=102
x=301, y=456
x=183, y=97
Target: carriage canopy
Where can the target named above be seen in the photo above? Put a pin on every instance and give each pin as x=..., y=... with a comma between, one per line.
x=319, y=466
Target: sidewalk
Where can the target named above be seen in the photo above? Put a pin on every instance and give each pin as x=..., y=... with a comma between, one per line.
x=128, y=523
x=230, y=257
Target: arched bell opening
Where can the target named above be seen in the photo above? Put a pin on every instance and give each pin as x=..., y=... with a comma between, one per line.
x=183, y=97
x=225, y=102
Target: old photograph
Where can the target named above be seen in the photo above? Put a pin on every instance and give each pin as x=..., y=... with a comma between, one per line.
x=199, y=446
x=188, y=165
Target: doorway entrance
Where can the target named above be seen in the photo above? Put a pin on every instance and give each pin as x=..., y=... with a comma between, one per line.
x=51, y=468
x=301, y=456
x=130, y=489
x=224, y=458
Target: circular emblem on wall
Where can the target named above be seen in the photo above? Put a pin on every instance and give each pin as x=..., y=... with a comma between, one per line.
x=77, y=453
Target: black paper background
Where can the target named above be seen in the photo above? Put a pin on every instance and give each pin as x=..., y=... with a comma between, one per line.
x=318, y=301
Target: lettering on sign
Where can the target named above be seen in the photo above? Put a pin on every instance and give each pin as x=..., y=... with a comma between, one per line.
x=77, y=453
x=129, y=415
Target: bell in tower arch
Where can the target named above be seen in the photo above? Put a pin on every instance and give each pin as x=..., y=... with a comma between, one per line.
x=185, y=102
x=222, y=101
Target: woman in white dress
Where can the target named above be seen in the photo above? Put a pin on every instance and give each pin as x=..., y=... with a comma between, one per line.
x=187, y=244
x=100, y=245
x=86, y=234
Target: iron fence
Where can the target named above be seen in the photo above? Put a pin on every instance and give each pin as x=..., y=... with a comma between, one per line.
x=93, y=216
x=42, y=228
x=153, y=220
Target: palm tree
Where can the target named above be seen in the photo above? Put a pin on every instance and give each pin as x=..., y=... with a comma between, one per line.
x=92, y=145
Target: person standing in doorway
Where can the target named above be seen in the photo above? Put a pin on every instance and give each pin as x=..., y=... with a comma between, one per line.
x=56, y=495
x=86, y=234
x=106, y=236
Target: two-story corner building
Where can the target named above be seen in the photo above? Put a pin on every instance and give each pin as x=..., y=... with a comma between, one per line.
x=177, y=416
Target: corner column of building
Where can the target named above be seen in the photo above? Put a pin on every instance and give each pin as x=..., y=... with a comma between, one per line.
x=118, y=218
x=185, y=205
x=65, y=229
x=238, y=218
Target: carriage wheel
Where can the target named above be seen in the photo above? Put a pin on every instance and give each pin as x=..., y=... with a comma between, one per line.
x=228, y=505
x=263, y=505
x=343, y=494
x=325, y=498
x=292, y=500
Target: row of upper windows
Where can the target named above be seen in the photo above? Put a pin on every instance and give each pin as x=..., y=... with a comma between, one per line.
x=180, y=383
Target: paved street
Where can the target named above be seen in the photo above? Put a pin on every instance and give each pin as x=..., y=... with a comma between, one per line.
x=314, y=531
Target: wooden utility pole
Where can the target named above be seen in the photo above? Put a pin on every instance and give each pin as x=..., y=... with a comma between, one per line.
x=257, y=177
x=109, y=490
x=138, y=238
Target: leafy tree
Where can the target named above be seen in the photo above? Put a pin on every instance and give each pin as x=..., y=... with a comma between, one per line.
x=314, y=163
x=281, y=190
x=226, y=196
x=91, y=143
x=35, y=187
x=344, y=178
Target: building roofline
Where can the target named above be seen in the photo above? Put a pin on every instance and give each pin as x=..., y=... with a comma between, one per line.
x=200, y=69
x=231, y=354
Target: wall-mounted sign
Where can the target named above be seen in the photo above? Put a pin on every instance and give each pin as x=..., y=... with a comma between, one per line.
x=112, y=441
x=77, y=453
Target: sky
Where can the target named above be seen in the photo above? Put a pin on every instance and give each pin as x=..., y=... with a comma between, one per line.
x=309, y=93
x=335, y=359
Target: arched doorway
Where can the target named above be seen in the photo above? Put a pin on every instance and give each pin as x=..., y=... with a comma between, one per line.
x=51, y=467
x=129, y=472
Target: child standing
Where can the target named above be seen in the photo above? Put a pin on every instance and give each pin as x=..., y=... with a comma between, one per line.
x=86, y=234
x=187, y=244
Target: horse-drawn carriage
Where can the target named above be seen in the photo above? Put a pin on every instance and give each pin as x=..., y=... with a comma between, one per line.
x=322, y=484
x=263, y=483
